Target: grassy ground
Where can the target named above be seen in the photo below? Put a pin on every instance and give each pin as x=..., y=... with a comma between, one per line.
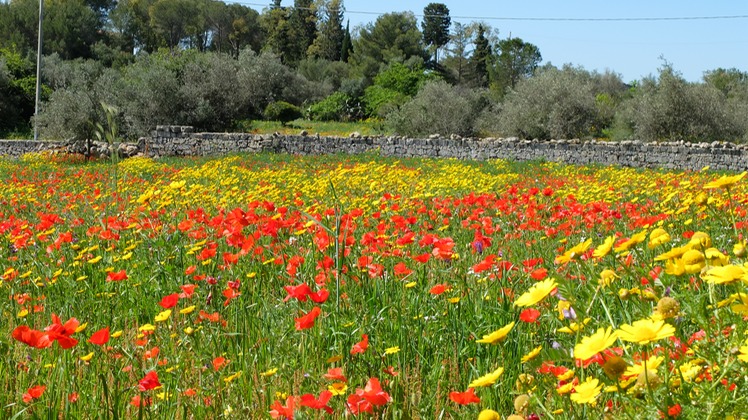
x=285, y=286
x=331, y=128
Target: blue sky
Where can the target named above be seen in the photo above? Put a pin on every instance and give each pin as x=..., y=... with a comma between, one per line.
x=630, y=48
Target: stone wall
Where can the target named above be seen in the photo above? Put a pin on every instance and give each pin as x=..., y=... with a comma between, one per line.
x=183, y=141
x=17, y=148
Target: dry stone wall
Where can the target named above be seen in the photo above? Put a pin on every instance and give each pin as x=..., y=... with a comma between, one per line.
x=183, y=141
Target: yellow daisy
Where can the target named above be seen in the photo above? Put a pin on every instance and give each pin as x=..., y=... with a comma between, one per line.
x=587, y=391
x=487, y=379
x=724, y=275
x=645, y=331
x=725, y=181
x=595, y=343
x=496, y=336
x=537, y=292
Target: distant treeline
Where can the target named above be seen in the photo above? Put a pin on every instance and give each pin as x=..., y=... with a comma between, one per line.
x=214, y=66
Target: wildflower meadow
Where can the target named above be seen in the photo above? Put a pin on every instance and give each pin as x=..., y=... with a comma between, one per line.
x=276, y=286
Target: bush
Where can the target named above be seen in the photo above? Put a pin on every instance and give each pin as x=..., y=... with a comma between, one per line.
x=393, y=87
x=556, y=103
x=380, y=101
x=670, y=108
x=438, y=108
x=282, y=111
x=336, y=107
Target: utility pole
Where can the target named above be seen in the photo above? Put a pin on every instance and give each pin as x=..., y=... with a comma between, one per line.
x=38, y=71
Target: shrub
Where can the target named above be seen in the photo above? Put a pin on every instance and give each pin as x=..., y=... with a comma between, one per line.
x=556, y=103
x=393, y=87
x=380, y=101
x=282, y=111
x=336, y=107
x=438, y=108
x=670, y=108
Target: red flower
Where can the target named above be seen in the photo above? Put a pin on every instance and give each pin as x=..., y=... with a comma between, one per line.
x=307, y=321
x=361, y=346
x=100, y=337
x=278, y=411
x=401, y=269
x=335, y=374
x=219, y=362
x=674, y=411
x=61, y=332
x=357, y=404
x=73, y=397
x=464, y=398
x=308, y=400
x=529, y=315
x=299, y=292
x=140, y=402
x=169, y=301
x=439, y=289
x=373, y=393
x=33, y=393
x=116, y=276
x=33, y=338
x=149, y=381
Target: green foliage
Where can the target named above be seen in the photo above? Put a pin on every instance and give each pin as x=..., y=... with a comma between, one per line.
x=516, y=60
x=394, y=37
x=481, y=57
x=438, y=108
x=555, y=103
x=670, y=108
x=282, y=111
x=393, y=87
x=17, y=91
x=328, y=44
x=336, y=107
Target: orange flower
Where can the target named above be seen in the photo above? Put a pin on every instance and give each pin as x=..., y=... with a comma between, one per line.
x=361, y=346
x=149, y=381
x=33, y=393
x=116, y=276
x=169, y=301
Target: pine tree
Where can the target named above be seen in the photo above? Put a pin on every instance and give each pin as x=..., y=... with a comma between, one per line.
x=481, y=54
x=347, y=48
x=435, y=27
x=329, y=42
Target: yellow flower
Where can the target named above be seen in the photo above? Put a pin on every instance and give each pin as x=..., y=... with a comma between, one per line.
x=693, y=261
x=652, y=364
x=675, y=267
x=658, y=237
x=744, y=353
x=725, y=181
x=392, y=350
x=607, y=277
x=739, y=249
x=163, y=316
x=604, y=248
x=574, y=253
x=487, y=379
x=700, y=241
x=147, y=327
x=574, y=327
x=94, y=260
x=187, y=310
x=716, y=258
x=674, y=253
x=565, y=388
x=587, y=391
x=489, y=414
x=532, y=354
x=594, y=344
x=645, y=331
x=232, y=377
x=87, y=357
x=724, y=275
x=496, y=336
x=633, y=241
x=269, y=372
x=116, y=334
x=537, y=292
x=337, y=388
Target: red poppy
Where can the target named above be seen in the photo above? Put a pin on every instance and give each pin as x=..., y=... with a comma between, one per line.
x=219, y=362
x=61, y=332
x=335, y=374
x=299, y=292
x=423, y=258
x=307, y=320
x=137, y=401
x=187, y=291
x=401, y=270
x=149, y=381
x=73, y=397
x=439, y=289
x=390, y=371
x=357, y=404
x=539, y=274
x=33, y=393
x=464, y=398
x=373, y=393
x=361, y=346
x=319, y=296
x=529, y=315
x=308, y=400
x=33, y=338
x=116, y=276
x=169, y=301
x=100, y=337
x=279, y=411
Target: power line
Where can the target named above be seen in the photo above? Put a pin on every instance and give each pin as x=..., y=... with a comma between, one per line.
x=536, y=19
